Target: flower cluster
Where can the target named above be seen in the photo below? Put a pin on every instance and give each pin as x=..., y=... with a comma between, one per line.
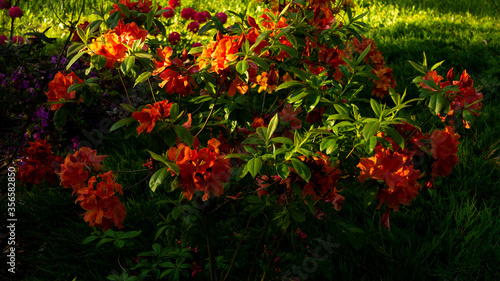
x=444, y=148
x=97, y=195
x=175, y=74
x=149, y=115
x=58, y=89
x=38, y=164
x=15, y=12
x=110, y=45
x=464, y=103
x=376, y=59
x=203, y=169
x=141, y=6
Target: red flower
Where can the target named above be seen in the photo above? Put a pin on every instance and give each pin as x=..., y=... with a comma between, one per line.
x=3, y=39
x=169, y=12
x=18, y=39
x=174, y=38
x=444, y=143
x=444, y=147
x=222, y=17
x=15, y=12
x=75, y=169
x=193, y=26
x=149, y=115
x=58, y=88
x=4, y=4
x=174, y=3
x=202, y=17
x=188, y=13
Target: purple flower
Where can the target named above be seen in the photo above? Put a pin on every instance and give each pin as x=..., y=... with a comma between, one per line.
x=222, y=17
x=15, y=12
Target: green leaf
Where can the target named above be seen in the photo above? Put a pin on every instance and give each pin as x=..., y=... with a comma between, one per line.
x=254, y=165
x=98, y=61
x=363, y=54
x=283, y=140
x=312, y=101
x=297, y=215
x=260, y=38
x=127, y=65
x=419, y=67
x=342, y=109
x=273, y=124
x=89, y=239
x=242, y=67
x=104, y=240
x=396, y=136
x=376, y=107
x=283, y=170
x=131, y=234
x=128, y=107
x=142, y=77
x=123, y=122
x=124, y=9
x=75, y=87
x=60, y=117
x=289, y=84
x=436, y=65
x=157, y=178
x=184, y=134
x=301, y=169
x=174, y=111
x=371, y=129
x=260, y=62
x=372, y=143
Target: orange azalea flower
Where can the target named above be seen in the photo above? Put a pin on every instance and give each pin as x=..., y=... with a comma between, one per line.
x=269, y=24
x=130, y=32
x=110, y=46
x=164, y=61
x=444, y=147
x=149, y=115
x=175, y=82
x=444, y=143
x=76, y=167
x=58, y=88
x=102, y=205
x=203, y=170
x=399, y=176
x=237, y=85
x=289, y=115
x=218, y=55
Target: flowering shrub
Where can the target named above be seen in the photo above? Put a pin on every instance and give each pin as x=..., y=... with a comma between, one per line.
x=274, y=118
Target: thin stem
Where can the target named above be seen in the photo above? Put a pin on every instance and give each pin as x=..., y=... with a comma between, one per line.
x=123, y=83
x=143, y=180
x=415, y=129
x=213, y=267
x=211, y=112
x=134, y=171
x=12, y=28
x=151, y=87
x=256, y=252
x=237, y=249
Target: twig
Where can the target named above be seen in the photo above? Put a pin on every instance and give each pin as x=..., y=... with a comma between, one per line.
x=143, y=180
x=213, y=267
x=256, y=252
x=211, y=112
x=275, y=252
x=237, y=249
x=151, y=87
x=123, y=83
